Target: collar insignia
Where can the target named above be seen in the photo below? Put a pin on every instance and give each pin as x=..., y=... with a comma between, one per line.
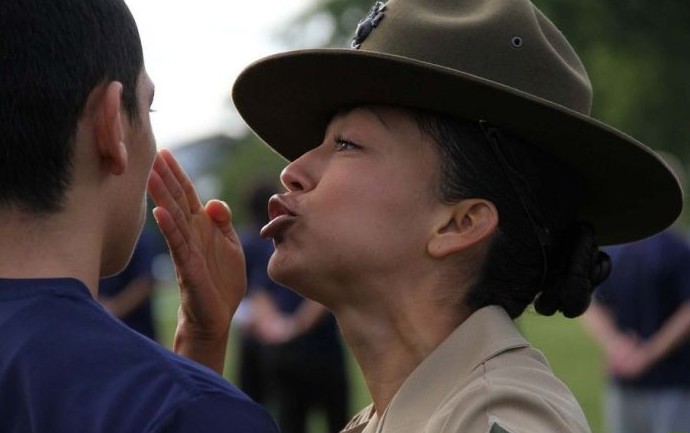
x=496, y=428
x=367, y=24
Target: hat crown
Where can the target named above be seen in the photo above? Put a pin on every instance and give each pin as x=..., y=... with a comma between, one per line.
x=506, y=41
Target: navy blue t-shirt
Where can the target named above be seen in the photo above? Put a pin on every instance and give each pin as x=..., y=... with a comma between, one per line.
x=67, y=366
x=649, y=281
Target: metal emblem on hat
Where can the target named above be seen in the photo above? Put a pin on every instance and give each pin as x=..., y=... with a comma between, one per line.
x=368, y=23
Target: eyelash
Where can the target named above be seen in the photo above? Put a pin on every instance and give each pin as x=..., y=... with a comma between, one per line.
x=341, y=142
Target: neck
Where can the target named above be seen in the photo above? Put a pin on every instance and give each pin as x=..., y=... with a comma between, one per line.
x=48, y=247
x=390, y=340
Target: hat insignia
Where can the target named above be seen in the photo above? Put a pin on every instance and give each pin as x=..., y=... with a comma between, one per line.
x=366, y=25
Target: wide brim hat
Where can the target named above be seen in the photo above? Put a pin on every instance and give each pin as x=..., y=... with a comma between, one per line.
x=500, y=61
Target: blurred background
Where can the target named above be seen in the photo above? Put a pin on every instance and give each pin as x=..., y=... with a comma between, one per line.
x=636, y=52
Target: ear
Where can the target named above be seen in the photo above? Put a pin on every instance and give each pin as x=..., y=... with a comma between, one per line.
x=109, y=129
x=464, y=225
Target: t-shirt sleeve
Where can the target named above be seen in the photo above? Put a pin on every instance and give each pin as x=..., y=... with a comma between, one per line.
x=219, y=413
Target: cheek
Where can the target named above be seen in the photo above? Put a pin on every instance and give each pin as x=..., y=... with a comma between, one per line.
x=378, y=217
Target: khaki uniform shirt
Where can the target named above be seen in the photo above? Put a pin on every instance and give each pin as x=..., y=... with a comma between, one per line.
x=484, y=378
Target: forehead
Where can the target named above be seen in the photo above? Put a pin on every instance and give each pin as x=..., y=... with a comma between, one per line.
x=392, y=118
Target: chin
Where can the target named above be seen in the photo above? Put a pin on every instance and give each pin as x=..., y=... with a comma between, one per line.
x=285, y=273
x=299, y=280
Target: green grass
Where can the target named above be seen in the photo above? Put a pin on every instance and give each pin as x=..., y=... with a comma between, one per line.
x=570, y=351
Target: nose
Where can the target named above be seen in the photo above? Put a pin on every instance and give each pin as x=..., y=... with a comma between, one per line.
x=299, y=174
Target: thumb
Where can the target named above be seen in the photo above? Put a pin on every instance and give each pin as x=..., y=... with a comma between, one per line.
x=220, y=213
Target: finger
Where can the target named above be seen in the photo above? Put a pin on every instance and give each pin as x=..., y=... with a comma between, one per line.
x=161, y=196
x=183, y=179
x=220, y=213
x=177, y=244
x=172, y=184
x=156, y=188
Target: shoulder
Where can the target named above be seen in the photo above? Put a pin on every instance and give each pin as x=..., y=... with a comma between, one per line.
x=514, y=391
x=75, y=355
x=183, y=396
x=213, y=412
x=360, y=420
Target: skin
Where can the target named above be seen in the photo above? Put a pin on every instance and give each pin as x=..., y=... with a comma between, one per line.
x=105, y=203
x=367, y=236
x=208, y=259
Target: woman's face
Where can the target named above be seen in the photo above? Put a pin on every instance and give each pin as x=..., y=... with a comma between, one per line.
x=359, y=207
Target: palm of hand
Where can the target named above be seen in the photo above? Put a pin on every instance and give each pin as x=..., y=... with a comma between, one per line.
x=206, y=251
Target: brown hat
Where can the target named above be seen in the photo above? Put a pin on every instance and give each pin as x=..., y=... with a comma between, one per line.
x=501, y=61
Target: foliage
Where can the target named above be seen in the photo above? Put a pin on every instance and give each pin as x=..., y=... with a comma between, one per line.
x=636, y=53
x=342, y=16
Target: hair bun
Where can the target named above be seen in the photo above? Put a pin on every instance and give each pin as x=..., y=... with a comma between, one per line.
x=601, y=268
x=579, y=266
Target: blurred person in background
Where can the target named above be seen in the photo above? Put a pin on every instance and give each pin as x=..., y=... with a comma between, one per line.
x=128, y=295
x=291, y=357
x=640, y=317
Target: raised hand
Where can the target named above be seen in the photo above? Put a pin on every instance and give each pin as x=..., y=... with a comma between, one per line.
x=208, y=257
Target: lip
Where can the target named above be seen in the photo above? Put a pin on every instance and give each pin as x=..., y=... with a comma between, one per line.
x=281, y=217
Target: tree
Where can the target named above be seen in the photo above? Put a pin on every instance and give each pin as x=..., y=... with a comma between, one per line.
x=637, y=55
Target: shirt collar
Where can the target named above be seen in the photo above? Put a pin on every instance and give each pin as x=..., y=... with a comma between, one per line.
x=15, y=288
x=486, y=333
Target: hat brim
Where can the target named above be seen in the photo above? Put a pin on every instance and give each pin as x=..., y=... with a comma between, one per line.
x=288, y=100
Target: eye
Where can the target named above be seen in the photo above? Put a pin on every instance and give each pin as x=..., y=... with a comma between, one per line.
x=342, y=144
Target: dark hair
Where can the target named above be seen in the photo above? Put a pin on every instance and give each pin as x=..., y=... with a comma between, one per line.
x=541, y=253
x=53, y=53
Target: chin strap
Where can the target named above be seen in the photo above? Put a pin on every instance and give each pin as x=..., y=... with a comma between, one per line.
x=492, y=135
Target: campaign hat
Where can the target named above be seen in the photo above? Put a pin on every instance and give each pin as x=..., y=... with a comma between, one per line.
x=499, y=61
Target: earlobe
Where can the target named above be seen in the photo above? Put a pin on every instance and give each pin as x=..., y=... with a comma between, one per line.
x=109, y=129
x=467, y=223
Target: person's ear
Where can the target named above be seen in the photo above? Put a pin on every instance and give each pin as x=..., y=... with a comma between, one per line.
x=463, y=226
x=109, y=129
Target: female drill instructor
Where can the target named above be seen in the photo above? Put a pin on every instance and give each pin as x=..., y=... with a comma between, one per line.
x=444, y=175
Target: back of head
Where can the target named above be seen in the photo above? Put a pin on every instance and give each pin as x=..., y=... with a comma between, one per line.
x=541, y=252
x=52, y=55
